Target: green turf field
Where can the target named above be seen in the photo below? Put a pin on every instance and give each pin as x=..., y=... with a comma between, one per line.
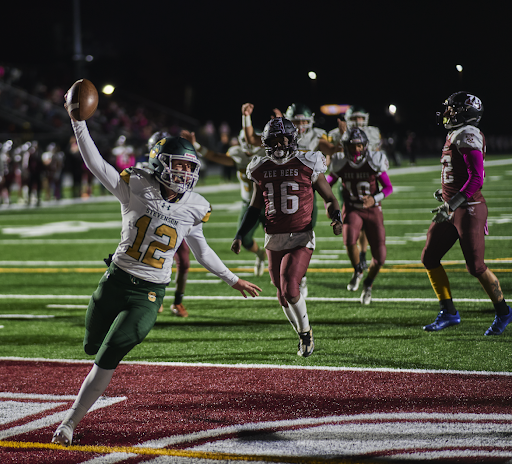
x=52, y=258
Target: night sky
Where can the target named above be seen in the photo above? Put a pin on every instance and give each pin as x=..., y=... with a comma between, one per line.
x=205, y=59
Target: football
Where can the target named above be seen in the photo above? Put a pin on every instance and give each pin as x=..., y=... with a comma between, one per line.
x=82, y=99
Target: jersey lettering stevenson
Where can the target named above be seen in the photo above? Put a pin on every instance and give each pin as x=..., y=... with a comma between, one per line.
x=154, y=228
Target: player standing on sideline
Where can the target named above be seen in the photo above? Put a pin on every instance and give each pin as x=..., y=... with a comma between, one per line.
x=361, y=170
x=463, y=215
x=356, y=116
x=284, y=181
x=159, y=211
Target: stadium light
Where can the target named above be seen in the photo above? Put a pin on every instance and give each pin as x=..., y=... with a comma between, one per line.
x=108, y=89
x=312, y=75
x=392, y=109
x=459, y=68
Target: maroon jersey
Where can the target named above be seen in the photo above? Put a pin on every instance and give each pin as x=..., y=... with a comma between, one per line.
x=454, y=173
x=359, y=180
x=287, y=190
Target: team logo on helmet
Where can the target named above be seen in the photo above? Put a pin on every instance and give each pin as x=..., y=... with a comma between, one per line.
x=474, y=101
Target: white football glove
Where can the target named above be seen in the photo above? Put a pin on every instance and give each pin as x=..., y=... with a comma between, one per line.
x=438, y=195
x=443, y=213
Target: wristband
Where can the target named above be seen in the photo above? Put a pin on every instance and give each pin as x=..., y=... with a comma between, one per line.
x=200, y=149
x=246, y=120
x=378, y=197
x=336, y=216
x=456, y=201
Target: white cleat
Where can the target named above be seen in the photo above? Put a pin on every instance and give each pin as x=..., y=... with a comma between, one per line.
x=306, y=344
x=353, y=285
x=63, y=435
x=366, y=296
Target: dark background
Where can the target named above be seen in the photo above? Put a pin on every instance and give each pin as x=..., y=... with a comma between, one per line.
x=205, y=59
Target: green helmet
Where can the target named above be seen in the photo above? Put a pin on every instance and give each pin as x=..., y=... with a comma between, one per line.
x=161, y=156
x=301, y=116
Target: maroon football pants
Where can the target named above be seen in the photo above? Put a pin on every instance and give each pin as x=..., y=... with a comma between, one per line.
x=286, y=269
x=466, y=225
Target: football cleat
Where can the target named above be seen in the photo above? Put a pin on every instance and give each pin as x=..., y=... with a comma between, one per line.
x=259, y=264
x=306, y=344
x=499, y=324
x=63, y=435
x=179, y=310
x=366, y=296
x=442, y=321
x=353, y=285
x=303, y=287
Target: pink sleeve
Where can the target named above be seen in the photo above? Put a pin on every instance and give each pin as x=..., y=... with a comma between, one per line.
x=387, y=188
x=475, y=165
x=331, y=179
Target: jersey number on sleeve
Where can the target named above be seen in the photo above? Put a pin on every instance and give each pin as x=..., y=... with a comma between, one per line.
x=447, y=172
x=163, y=230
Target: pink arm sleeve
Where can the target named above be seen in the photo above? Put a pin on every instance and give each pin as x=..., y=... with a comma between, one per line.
x=387, y=188
x=475, y=165
x=331, y=179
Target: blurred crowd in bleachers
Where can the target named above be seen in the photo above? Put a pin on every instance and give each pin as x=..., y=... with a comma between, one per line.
x=38, y=151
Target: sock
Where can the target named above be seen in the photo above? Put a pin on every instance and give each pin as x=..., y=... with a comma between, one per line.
x=301, y=313
x=501, y=308
x=367, y=282
x=362, y=256
x=92, y=388
x=359, y=267
x=440, y=283
x=290, y=315
x=448, y=306
x=178, y=298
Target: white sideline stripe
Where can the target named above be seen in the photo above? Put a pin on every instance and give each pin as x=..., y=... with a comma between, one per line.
x=268, y=366
x=265, y=298
x=389, y=240
x=55, y=418
x=326, y=259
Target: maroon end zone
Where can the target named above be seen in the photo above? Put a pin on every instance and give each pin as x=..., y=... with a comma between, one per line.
x=209, y=408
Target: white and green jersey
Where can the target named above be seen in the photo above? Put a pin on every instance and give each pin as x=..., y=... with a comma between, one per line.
x=242, y=160
x=310, y=140
x=372, y=132
x=152, y=227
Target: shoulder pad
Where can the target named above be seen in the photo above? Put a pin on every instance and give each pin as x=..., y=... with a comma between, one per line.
x=338, y=161
x=314, y=160
x=255, y=162
x=378, y=161
x=468, y=137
